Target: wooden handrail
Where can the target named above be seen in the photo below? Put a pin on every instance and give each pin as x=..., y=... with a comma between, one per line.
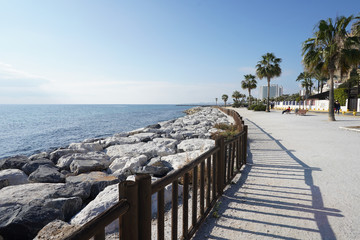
x=163, y=182
x=98, y=224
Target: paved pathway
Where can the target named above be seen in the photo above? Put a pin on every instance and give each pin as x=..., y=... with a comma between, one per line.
x=301, y=181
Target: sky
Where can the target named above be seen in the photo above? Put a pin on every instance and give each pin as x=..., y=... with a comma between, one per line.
x=150, y=52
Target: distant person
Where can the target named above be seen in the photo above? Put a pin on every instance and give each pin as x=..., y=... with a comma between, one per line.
x=337, y=107
x=287, y=110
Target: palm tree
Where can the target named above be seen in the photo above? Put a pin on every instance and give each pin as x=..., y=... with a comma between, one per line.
x=306, y=82
x=328, y=48
x=268, y=67
x=249, y=83
x=236, y=95
x=225, y=98
x=321, y=79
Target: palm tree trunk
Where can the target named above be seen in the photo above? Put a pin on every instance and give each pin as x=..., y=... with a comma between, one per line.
x=249, y=97
x=318, y=86
x=268, y=97
x=331, y=97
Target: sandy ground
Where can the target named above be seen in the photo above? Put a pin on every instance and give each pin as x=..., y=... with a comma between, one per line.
x=301, y=181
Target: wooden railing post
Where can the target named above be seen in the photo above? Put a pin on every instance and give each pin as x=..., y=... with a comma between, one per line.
x=220, y=165
x=144, y=204
x=245, y=143
x=129, y=221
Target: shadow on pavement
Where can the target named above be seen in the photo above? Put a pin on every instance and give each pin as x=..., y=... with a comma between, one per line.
x=277, y=195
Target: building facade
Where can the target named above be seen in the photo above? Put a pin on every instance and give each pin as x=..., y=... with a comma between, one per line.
x=275, y=91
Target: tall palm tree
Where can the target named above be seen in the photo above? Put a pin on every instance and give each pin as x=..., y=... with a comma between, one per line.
x=268, y=67
x=249, y=83
x=330, y=45
x=306, y=82
x=225, y=98
x=236, y=95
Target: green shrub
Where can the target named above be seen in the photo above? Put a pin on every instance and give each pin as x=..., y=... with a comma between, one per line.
x=340, y=95
x=258, y=107
x=227, y=131
x=236, y=104
x=251, y=107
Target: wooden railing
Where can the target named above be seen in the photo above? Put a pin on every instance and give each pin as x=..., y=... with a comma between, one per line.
x=205, y=177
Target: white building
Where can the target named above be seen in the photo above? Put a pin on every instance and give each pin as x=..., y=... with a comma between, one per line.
x=275, y=91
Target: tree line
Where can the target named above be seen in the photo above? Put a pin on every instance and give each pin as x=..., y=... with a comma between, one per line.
x=333, y=51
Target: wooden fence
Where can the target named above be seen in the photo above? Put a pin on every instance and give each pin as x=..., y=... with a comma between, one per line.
x=203, y=181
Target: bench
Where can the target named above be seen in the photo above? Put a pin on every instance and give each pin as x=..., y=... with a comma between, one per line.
x=301, y=112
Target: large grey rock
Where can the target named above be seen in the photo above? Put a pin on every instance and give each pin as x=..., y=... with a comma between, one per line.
x=65, y=161
x=83, y=166
x=127, y=162
x=118, y=140
x=14, y=176
x=39, y=156
x=150, y=149
x=46, y=174
x=56, y=230
x=91, y=147
x=196, y=144
x=180, y=159
x=13, y=162
x=25, y=209
x=104, y=200
x=97, y=180
x=145, y=137
x=31, y=166
x=55, y=155
x=158, y=169
x=167, y=142
x=122, y=150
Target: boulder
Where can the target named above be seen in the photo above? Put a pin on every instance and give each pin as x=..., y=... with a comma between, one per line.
x=65, y=161
x=47, y=174
x=154, y=126
x=110, y=141
x=25, y=209
x=56, y=230
x=54, y=156
x=68, y=206
x=97, y=180
x=196, y=144
x=13, y=162
x=31, y=166
x=83, y=166
x=122, y=134
x=14, y=176
x=167, y=142
x=89, y=147
x=39, y=156
x=4, y=183
x=127, y=162
x=158, y=169
x=104, y=200
x=145, y=137
x=126, y=149
x=180, y=159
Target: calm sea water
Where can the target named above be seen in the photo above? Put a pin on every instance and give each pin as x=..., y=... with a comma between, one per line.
x=29, y=129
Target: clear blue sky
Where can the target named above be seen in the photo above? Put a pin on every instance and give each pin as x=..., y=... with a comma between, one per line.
x=150, y=51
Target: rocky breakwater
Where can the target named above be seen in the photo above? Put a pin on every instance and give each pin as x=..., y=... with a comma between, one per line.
x=66, y=188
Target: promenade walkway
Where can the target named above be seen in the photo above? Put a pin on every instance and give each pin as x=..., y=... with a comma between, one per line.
x=301, y=181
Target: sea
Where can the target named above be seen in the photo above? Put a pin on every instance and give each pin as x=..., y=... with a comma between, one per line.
x=30, y=129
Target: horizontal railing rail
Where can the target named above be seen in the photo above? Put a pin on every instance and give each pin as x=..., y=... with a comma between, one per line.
x=96, y=227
